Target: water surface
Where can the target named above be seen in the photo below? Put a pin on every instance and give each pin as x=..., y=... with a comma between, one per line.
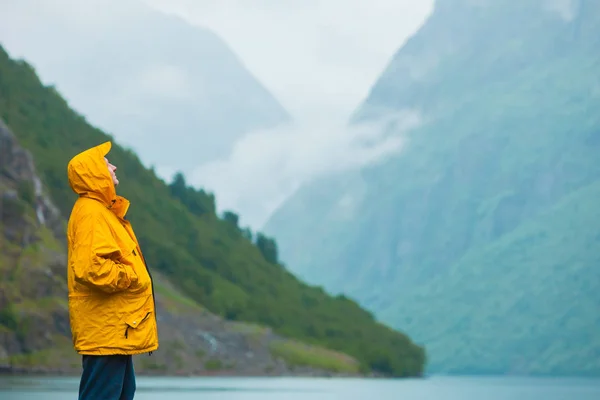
x=435, y=388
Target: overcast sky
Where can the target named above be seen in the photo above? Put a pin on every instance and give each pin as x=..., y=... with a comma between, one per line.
x=318, y=57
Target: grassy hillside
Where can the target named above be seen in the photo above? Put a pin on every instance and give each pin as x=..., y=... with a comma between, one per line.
x=210, y=259
x=34, y=322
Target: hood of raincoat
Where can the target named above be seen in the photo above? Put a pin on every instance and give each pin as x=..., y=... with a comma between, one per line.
x=89, y=176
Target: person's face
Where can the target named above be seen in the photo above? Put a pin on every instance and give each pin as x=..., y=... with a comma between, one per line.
x=111, y=171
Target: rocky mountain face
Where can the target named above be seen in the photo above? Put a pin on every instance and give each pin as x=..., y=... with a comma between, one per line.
x=34, y=322
x=32, y=301
x=480, y=239
x=176, y=94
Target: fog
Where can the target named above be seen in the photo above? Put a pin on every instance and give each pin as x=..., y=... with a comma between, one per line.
x=317, y=58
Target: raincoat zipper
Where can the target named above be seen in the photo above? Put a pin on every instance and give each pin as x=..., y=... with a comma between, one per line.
x=151, y=284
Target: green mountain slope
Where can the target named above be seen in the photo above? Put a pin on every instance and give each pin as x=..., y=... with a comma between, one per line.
x=543, y=271
x=510, y=93
x=34, y=320
x=209, y=259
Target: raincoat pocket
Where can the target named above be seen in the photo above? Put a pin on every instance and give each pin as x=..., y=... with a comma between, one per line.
x=135, y=321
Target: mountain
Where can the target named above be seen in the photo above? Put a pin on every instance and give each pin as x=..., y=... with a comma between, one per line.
x=481, y=239
x=30, y=257
x=205, y=259
x=143, y=74
x=34, y=320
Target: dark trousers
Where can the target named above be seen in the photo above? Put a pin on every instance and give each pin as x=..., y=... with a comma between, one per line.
x=107, y=378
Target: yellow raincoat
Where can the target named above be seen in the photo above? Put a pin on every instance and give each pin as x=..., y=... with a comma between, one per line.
x=111, y=302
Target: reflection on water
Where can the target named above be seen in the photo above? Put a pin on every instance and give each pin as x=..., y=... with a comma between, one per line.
x=437, y=388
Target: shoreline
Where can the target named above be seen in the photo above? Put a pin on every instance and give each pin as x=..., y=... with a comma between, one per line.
x=72, y=373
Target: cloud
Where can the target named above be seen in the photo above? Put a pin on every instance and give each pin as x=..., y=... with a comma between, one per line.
x=265, y=167
x=319, y=57
x=28, y=29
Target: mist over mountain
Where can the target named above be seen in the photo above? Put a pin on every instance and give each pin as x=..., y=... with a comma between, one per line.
x=481, y=238
x=177, y=94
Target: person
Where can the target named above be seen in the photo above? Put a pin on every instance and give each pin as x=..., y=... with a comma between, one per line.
x=111, y=297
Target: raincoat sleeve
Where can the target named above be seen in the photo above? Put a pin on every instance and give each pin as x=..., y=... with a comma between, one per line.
x=96, y=254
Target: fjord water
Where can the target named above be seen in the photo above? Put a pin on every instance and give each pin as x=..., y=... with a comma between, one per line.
x=435, y=388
